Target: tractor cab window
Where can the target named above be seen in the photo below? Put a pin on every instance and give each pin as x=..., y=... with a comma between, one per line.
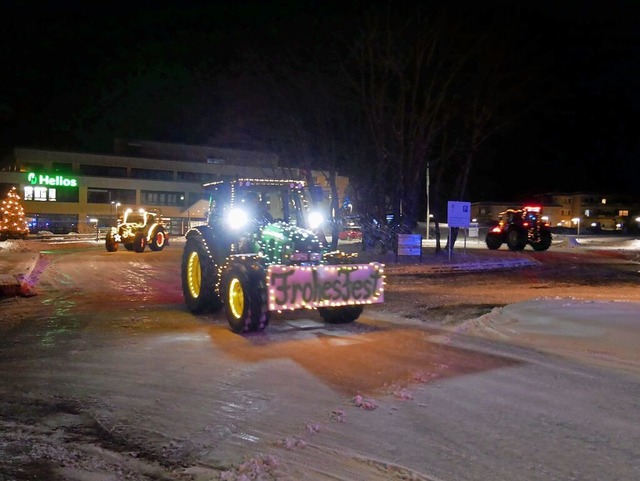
x=272, y=202
x=532, y=217
x=135, y=218
x=296, y=209
x=506, y=217
x=257, y=204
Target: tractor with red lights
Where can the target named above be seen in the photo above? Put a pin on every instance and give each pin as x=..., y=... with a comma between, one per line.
x=261, y=251
x=137, y=230
x=520, y=227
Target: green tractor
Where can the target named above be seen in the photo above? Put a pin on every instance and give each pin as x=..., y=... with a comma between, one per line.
x=260, y=252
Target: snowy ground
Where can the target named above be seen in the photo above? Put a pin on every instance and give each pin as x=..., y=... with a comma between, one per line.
x=105, y=377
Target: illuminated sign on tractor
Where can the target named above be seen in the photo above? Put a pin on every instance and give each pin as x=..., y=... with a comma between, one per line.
x=324, y=286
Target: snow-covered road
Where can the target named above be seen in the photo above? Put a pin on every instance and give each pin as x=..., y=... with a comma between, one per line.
x=501, y=375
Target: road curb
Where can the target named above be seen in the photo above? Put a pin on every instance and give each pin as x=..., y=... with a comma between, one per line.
x=18, y=271
x=483, y=266
x=12, y=286
x=460, y=267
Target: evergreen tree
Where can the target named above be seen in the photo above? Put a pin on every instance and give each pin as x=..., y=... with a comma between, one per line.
x=13, y=224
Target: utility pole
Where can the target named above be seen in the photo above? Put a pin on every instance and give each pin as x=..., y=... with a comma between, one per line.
x=427, y=237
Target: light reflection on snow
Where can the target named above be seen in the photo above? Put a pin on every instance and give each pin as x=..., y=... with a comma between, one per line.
x=183, y=338
x=335, y=341
x=60, y=323
x=232, y=407
x=248, y=437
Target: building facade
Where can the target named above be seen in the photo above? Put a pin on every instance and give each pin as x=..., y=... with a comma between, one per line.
x=584, y=210
x=79, y=192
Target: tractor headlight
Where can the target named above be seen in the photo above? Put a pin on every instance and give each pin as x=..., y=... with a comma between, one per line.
x=237, y=218
x=315, y=219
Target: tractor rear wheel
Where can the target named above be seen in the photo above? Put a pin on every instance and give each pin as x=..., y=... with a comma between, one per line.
x=159, y=240
x=543, y=243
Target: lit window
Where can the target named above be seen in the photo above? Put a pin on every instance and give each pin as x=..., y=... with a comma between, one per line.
x=52, y=195
x=40, y=193
x=28, y=193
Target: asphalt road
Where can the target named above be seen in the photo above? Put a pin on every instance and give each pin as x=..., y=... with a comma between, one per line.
x=105, y=375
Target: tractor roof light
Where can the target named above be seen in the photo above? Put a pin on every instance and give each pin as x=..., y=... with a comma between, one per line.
x=533, y=208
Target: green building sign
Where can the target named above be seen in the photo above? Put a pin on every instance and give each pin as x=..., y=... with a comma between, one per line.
x=51, y=180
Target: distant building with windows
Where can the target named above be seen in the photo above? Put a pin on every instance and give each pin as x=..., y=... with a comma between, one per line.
x=71, y=191
x=594, y=211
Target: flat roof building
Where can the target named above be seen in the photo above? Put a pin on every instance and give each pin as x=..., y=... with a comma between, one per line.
x=64, y=191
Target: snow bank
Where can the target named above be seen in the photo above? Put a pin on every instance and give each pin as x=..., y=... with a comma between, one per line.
x=15, y=245
x=605, y=243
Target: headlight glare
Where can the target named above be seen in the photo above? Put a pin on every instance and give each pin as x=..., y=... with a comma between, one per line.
x=237, y=218
x=315, y=220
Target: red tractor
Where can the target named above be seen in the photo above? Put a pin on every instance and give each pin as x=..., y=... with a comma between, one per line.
x=519, y=227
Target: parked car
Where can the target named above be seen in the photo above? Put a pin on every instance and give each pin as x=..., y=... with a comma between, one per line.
x=351, y=233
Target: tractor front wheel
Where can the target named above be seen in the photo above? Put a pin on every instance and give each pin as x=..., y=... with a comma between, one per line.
x=139, y=242
x=246, y=299
x=493, y=241
x=110, y=242
x=340, y=315
x=516, y=240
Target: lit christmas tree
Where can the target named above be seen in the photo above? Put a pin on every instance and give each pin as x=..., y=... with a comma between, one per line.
x=13, y=224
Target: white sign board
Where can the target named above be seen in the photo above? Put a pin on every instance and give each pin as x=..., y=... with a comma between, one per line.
x=409, y=244
x=474, y=230
x=458, y=214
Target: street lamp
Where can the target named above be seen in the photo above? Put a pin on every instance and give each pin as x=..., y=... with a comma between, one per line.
x=95, y=221
x=576, y=220
x=117, y=204
x=182, y=218
x=427, y=189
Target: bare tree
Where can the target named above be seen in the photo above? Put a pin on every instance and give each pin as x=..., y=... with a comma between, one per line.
x=405, y=72
x=497, y=89
x=304, y=114
x=434, y=88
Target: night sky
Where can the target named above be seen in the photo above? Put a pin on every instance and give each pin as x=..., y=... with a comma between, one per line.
x=76, y=77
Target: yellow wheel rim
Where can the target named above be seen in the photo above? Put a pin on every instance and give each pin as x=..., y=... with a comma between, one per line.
x=236, y=298
x=194, y=275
